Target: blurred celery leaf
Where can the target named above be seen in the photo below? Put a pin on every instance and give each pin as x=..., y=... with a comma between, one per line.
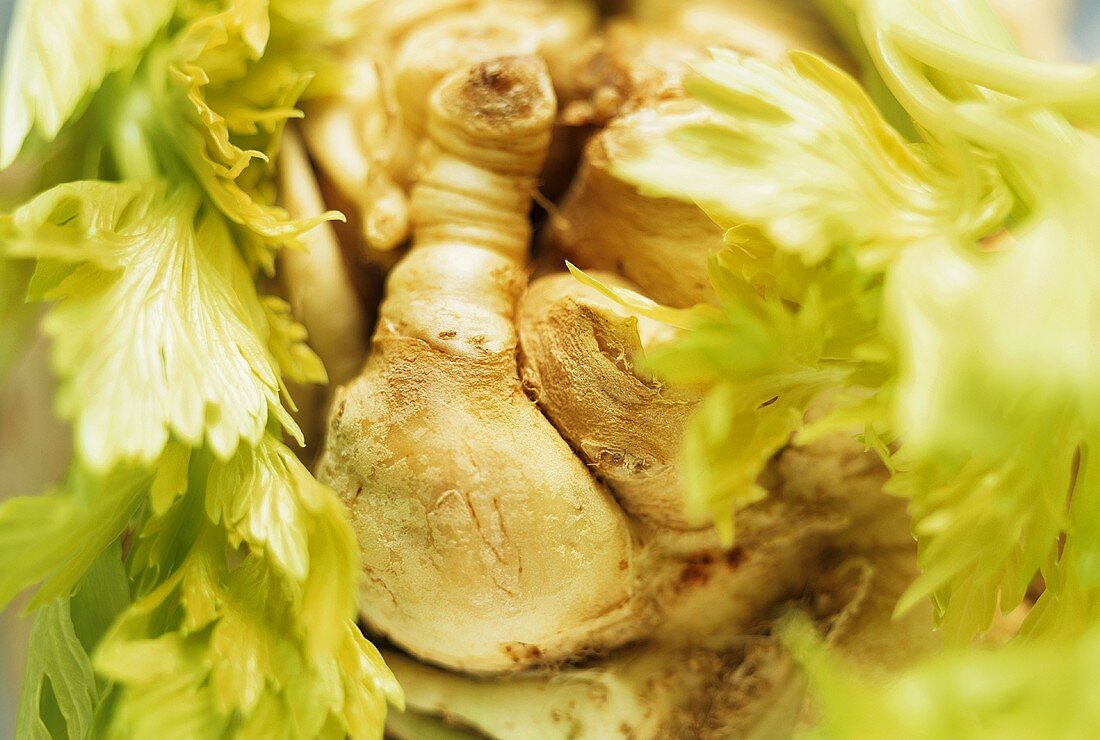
x=59, y=51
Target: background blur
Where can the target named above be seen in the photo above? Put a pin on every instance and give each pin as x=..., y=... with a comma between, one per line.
x=27, y=470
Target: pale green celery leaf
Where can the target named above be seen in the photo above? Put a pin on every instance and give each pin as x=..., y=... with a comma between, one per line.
x=763, y=359
x=160, y=660
x=58, y=51
x=682, y=318
x=233, y=103
x=37, y=541
x=368, y=685
x=247, y=645
x=266, y=498
x=64, y=633
x=100, y=597
x=287, y=340
x=75, y=222
x=171, y=478
x=58, y=665
x=162, y=543
x=233, y=639
x=729, y=440
x=174, y=699
x=1028, y=689
x=800, y=153
x=963, y=356
x=152, y=295
x=994, y=403
x=997, y=396
x=1070, y=602
x=340, y=691
x=16, y=317
x=256, y=497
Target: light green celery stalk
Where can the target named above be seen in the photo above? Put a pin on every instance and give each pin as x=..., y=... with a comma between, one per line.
x=236, y=613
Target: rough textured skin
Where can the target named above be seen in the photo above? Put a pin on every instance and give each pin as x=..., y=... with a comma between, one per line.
x=644, y=57
x=606, y=223
x=751, y=688
x=470, y=562
x=579, y=362
x=633, y=63
x=366, y=136
x=483, y=566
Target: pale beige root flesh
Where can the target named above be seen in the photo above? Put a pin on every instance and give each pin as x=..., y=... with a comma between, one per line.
x=486, y=543
x=635, y=694
x=319, y=289
x=317, y=283
x=349, y=135
x=366, y=135
x=750, y=689
x=606, y=223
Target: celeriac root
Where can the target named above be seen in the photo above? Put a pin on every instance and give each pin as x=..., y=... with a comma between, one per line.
x=513, y=475
x=488, y=545
x=485, y=542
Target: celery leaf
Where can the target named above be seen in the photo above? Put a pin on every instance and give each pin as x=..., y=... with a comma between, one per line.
x=58, y=678
x=149, y=296
x=59, y=51
x=800, y=153
x=36, y=532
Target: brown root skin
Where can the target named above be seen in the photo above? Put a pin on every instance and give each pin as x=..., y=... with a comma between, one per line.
x=632, y=63
x=644, y=56
x=579, y=359
x=635, y=81
x=485, y=30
